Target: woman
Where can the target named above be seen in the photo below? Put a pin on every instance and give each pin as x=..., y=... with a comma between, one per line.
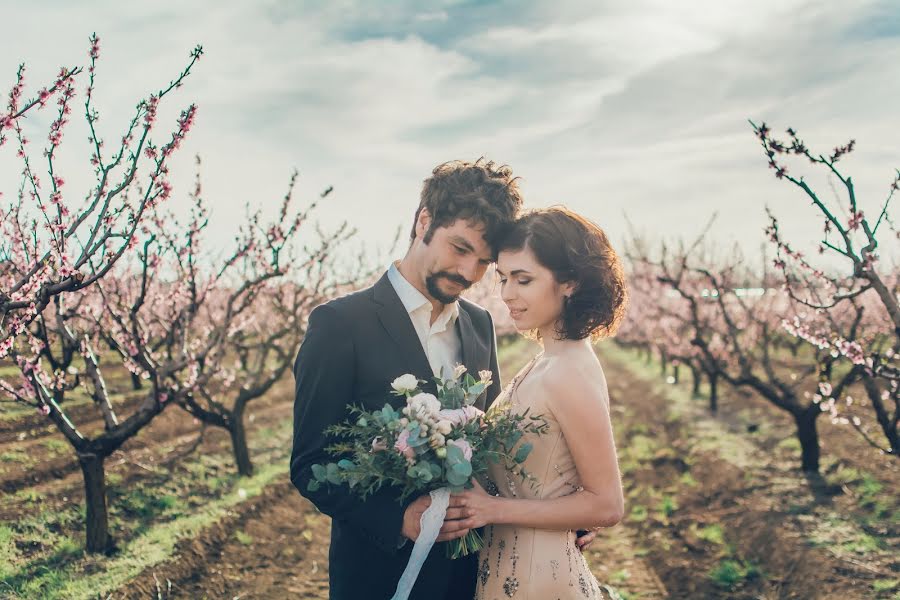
x=562, y=280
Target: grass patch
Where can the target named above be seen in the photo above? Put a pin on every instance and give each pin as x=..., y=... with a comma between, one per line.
x=668, y=506
x=8, y=553
x=55, y=446
x=638, y=513
x=885, y=585
x=620, y=576
x=729, y=573
x=16, y=456
x=148, y=518
x=243, y=538
x=789, y=444
x=707, y=433
x=714, y=534
x=61, y=576
x=687, y=480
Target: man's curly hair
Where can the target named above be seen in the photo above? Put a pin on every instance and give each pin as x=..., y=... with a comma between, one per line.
x=481, y=192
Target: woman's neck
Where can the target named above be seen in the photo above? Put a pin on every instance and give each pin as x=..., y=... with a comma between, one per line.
x=554, y=346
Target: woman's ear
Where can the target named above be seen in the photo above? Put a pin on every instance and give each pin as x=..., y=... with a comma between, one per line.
x=569, y=288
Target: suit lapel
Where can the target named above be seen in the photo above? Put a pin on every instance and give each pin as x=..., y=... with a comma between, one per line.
x=396, y=321
x=466, y=331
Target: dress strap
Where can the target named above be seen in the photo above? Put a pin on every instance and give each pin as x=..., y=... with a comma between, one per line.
x=514, y=385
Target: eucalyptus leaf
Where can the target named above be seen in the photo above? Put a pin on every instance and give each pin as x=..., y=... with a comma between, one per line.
x=523, y=452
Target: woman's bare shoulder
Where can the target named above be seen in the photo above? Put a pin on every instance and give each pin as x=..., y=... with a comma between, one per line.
x=575, y=376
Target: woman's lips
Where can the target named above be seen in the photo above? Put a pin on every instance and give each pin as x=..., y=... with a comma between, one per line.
x=515, y=314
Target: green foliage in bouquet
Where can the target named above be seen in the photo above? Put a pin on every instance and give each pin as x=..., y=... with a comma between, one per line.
x=432, y=442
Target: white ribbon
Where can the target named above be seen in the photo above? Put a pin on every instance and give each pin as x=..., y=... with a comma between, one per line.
x=429, y=526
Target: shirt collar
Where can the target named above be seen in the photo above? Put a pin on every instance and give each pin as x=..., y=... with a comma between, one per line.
x=414, y=300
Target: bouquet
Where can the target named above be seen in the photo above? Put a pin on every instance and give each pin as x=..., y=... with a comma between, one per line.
x=433, y=443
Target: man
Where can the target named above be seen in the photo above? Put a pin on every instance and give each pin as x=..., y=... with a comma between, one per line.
x=411, y=321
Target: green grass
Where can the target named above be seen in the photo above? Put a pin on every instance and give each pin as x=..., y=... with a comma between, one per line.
x=638, y=513
x=668, y=506
x=885, y=585
x=243, y=538
x=56, y=446
x=8, y=552
x=62, y=574
x=687, y=480
x=729, y=573
x=16, y=456
x=147, y=518
x=620, y=576
x=710, y=533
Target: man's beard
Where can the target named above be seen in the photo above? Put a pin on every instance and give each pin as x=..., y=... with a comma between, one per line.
x=432, y=286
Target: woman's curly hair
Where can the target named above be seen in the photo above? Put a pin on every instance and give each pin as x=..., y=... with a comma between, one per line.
x=575, y=250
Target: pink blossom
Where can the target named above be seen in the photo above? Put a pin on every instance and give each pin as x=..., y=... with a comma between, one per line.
x=44, y=409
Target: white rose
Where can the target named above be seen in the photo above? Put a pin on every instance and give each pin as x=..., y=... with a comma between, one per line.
x=444, y=427
x=437, y=440
x=405, y=383
x=424, y=404
x=458, y=371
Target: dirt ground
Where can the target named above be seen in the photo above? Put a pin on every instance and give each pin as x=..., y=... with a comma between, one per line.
x=716, y=506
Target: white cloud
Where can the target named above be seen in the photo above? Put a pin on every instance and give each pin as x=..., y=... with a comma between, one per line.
x=637, y=106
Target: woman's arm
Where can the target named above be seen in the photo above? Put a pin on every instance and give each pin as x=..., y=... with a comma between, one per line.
x=578, y=398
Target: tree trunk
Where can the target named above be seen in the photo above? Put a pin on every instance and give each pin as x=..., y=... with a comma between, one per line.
x=97, y=537
x=676, y=371
x=664, y=363
x=239, y=443
x=713, y=392
x=887, y=421
x=136, y=383
x=809, y=438
x=696, y=380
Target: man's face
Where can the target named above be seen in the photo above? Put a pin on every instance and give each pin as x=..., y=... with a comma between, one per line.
x=455, y=258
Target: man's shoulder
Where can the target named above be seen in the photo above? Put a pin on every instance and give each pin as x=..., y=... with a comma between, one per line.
x=480, y=316
x=350, y=303
x=472, y=308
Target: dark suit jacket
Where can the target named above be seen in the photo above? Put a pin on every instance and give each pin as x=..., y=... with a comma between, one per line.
x=354, y=347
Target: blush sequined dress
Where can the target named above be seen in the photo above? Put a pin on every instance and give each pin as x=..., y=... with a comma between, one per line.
x=534, y=564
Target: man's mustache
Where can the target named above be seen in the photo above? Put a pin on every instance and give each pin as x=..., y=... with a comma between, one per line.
x=452, y=277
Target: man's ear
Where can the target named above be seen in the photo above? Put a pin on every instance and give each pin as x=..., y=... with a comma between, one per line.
x=423, y=222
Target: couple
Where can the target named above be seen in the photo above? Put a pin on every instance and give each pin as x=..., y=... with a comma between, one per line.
x=560, y=279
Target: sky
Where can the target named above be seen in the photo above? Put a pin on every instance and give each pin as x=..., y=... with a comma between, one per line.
x=622, y=110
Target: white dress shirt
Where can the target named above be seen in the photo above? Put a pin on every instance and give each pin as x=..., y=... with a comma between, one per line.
x=439, y=339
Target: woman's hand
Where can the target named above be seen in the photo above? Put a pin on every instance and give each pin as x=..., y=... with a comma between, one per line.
x=478, y=508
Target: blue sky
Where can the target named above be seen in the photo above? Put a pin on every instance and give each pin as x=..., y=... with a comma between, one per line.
x=610, y=107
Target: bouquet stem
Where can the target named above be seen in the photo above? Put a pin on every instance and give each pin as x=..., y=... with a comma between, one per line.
x=469, y=543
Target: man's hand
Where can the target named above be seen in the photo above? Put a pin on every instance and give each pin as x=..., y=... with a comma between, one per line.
x=583, y=541
x=452, y=528
x=412, y=526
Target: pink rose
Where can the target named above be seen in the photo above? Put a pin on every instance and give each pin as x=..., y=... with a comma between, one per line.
x=402, y=445
x=464, y=446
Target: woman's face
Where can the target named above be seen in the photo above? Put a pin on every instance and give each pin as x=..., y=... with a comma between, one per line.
x=532, y=294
